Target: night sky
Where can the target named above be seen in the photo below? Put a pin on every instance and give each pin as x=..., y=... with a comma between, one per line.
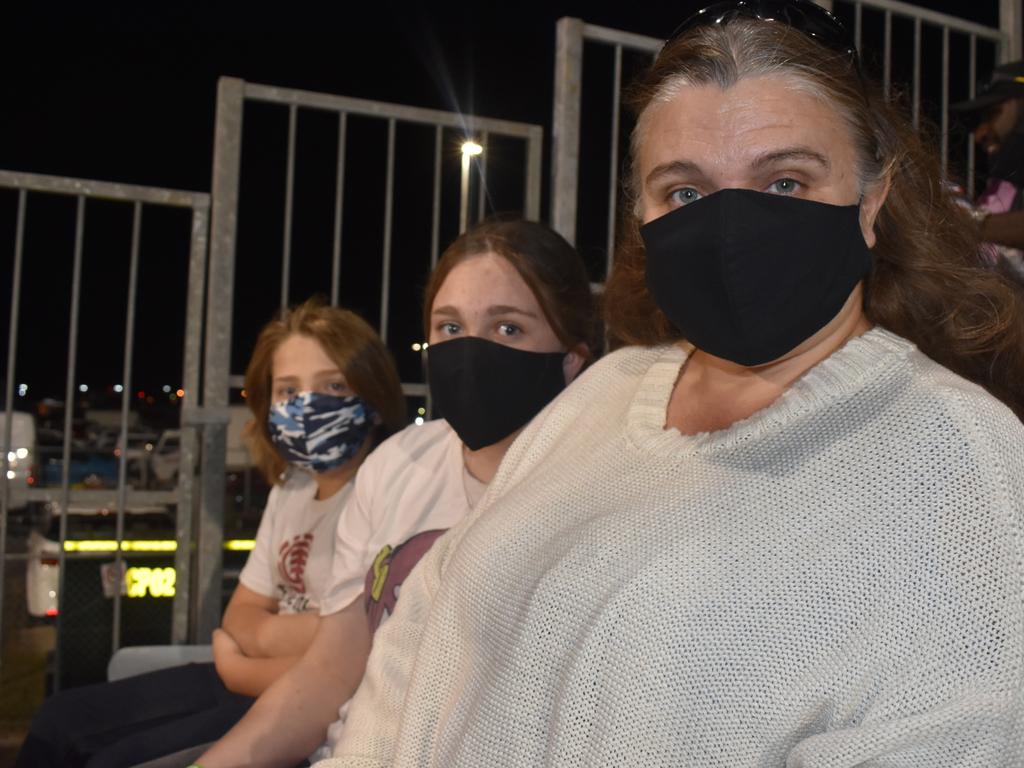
x=127, y=93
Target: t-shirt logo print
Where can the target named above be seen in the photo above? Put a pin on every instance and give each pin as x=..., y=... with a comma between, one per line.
x=291, y=560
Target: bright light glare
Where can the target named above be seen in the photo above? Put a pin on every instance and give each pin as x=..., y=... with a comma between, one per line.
x=118, y=388
x=83, y=387
x=417, y=347
x=22, y=390
x=472, y=149
x=167, y=389
x=23, y=453
x=419, y=421
x=10, y=474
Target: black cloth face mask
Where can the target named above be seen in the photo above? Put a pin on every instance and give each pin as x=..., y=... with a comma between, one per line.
x=487, y=391
x=748, y=276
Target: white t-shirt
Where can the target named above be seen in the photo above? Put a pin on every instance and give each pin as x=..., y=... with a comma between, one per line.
x=292, y=557
x=414, y=481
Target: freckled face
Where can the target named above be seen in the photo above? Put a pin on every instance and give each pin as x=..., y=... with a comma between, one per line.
x=762, y=133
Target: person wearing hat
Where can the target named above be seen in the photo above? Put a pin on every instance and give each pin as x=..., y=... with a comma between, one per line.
x=996, y=116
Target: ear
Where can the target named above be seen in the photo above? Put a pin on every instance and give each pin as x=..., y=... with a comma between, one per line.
x=871, y=205
x=573, y=362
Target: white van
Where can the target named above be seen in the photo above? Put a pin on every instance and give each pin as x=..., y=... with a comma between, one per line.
x=21, y=457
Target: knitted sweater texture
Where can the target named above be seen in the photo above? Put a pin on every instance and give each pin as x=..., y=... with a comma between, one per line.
x=836, y=581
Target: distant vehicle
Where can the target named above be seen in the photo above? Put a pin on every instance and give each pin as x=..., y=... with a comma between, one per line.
x=21, y=458
x=156, y=462
x=42, y=575
x=165, y=458
x=88, y=469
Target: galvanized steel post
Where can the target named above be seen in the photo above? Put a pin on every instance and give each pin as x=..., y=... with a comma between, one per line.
x=220, y=294
x=1010, y=20
x=186, y=507
x=565, y=130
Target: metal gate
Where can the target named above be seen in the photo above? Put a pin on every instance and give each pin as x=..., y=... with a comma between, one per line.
x=35, y=195
x=463, y=144
x=590, y=223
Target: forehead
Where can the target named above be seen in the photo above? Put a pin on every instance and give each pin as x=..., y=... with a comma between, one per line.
x=482, y=281
x=299, y=355
x=724, y=130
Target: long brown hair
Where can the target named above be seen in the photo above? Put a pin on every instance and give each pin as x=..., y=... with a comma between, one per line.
x=927, y=282
x=351, y=344
x=549, y=266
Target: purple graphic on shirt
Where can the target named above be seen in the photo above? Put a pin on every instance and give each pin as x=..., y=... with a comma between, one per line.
x=389, y=570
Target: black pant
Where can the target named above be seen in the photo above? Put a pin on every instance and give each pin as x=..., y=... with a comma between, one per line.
x=129, y=721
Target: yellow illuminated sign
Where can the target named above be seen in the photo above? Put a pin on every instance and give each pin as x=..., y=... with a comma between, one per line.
x=155, y=582
x=139, y=545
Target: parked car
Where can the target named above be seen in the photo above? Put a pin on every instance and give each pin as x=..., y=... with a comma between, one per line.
x=22, y=456
x=95, y=468
x=42, y=575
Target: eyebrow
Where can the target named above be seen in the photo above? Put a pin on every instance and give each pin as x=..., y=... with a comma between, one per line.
x=674, y=168
x=318, y=374
x=789, y=154
x=686, y=167
x=497, y=309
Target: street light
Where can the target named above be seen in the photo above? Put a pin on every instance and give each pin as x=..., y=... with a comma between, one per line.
x=470, y=149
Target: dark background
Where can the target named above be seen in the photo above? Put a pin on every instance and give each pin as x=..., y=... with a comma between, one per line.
x=126, y=92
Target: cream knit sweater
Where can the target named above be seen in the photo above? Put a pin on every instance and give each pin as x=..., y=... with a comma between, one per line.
x=834, y=582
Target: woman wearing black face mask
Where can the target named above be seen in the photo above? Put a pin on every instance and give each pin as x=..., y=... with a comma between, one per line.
x=787, y=528
x=509, y=317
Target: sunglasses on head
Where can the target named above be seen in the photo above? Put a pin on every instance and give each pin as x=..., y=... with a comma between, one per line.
x=801, y=15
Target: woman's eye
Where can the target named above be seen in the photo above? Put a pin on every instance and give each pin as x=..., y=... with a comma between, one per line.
x=449, y=329
x=684, y=196
x=784, y=187
x=337, y=387
x=284, y=393
x=508, y=329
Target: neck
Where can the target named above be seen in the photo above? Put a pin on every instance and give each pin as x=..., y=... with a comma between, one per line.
x=333, y=480
x=712, y=393
x=483, y=463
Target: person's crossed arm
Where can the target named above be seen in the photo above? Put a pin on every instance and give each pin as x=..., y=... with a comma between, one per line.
x=255, y=644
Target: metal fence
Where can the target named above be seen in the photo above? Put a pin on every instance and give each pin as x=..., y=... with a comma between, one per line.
x=30, y=189
x=569, y=215
x=234, y=98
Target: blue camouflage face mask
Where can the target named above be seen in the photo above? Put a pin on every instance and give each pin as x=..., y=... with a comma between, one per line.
x=319, y=432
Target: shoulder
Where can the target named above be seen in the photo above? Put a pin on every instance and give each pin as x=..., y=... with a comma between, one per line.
x=413, y=442
x=628, y=363
x=592, y=409
x=920, y=398
x=958, y=417
x=611, y=380
x=954, y=399
x=424, y=446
